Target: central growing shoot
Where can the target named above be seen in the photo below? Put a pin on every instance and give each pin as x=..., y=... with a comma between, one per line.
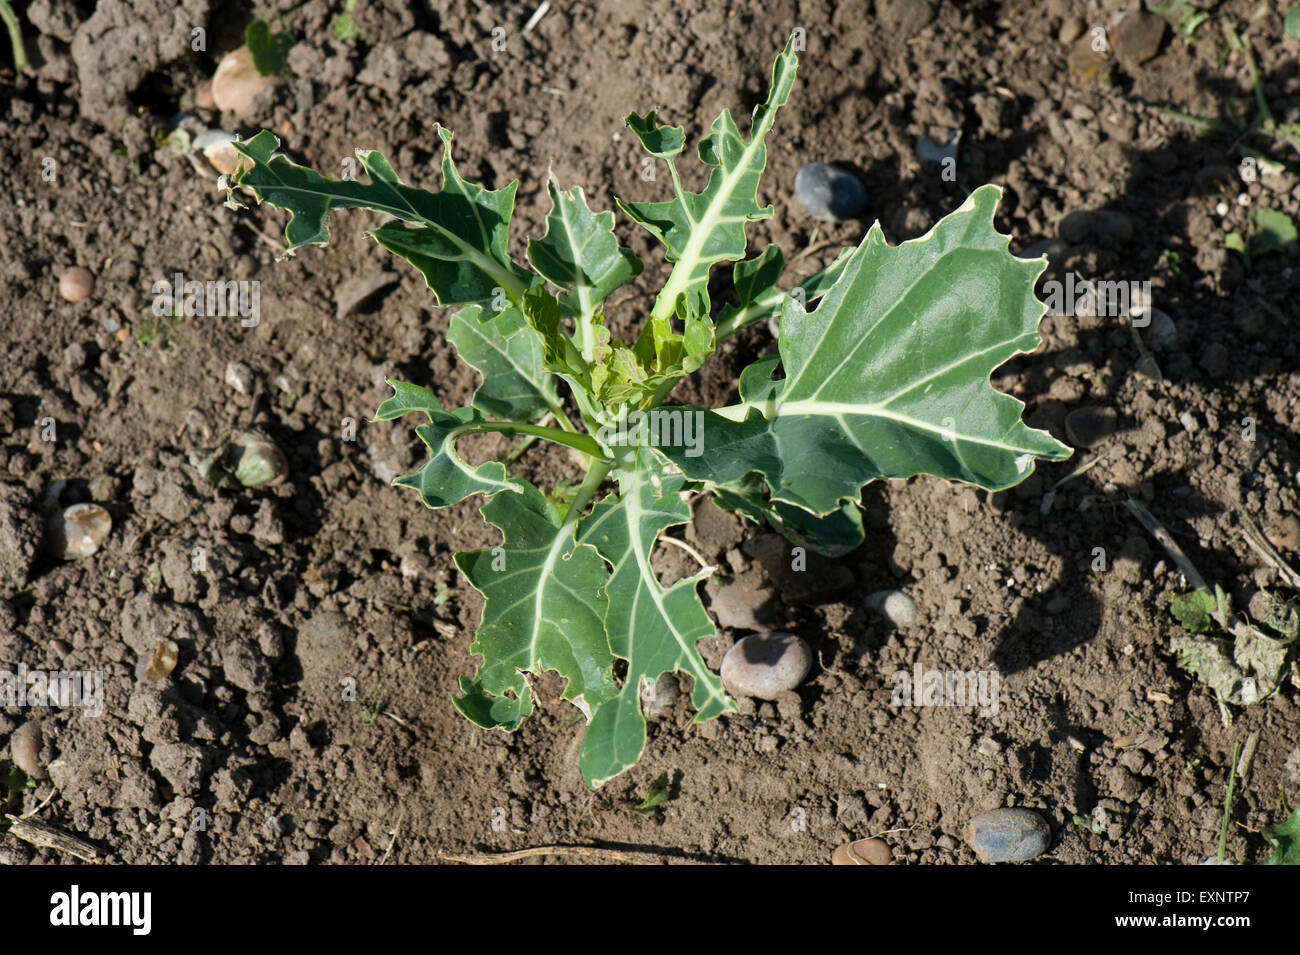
x=886, y=377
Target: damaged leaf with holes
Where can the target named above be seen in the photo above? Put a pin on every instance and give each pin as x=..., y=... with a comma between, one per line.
x=883, y=371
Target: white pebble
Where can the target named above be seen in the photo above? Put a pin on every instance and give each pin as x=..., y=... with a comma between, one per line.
x=895, y=606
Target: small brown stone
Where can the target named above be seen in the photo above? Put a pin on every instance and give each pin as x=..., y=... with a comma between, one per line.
x=1136, y=36
x=236, y=83
x=76, y=283
x=1085, y=62
x=863, y=852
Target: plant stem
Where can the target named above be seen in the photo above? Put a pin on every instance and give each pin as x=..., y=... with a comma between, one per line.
x=596, y=475
x=15, y=35
x=1227, y=802
x=581, y=442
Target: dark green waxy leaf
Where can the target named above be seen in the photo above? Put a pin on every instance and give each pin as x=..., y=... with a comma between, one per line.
x=457, y=238
x=1285, y=836
x=544, y=608
x=270, y=52
x=580, y=256
x=655, y=629
x=755, y=281
x=445, y=479
x=831, y=535
x=889, y=376
x=508, y=354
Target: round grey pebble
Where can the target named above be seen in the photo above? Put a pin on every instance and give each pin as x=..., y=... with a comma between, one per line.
x=1161, y=333
x=828, y=193
x=895, y=606
x=765, y=665
x=1008, y=835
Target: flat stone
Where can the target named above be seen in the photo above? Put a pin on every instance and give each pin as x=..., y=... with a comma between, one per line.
x=765, y=665
x=863, y=852
x=1136, y=37
x=828, y=193
x=1008, y=835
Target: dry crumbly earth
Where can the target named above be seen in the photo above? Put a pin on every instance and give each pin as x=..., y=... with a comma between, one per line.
x=335, y=575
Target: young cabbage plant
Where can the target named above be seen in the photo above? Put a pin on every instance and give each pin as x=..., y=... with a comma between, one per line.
x=887, y=377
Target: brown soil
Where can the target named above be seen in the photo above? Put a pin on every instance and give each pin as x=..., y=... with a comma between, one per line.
x=305, y=589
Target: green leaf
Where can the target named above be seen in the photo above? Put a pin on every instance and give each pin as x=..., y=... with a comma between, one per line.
x=345, y=28
x=654, y=629
x=270, y=53
x=507, y=352
x=1274, y=232
x=700, y=229
x=445, y=479
x=580, y=256
x=1292, y=23
x=1285, y=836
x=457, y=238
x=889, y=376
x=755, y=281
x=1194, y=611
x=544, y=608
x=832, y=535
x=656, y=797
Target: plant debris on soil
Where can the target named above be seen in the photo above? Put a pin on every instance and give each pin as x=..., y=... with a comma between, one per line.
x=302, y=636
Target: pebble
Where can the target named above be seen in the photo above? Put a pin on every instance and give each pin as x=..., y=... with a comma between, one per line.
x=930, y=151
x=76, y=283
x=863, y=852
x=1088, y=427
x=203, y=96
x=659, y=698
x=1008, y=835
x=1084, y=62
x=25, y=748
x=895, y=606
x=248, y=457
x=353, y=294
x=1136, y=36
x=1071, y=30
x=240, y=377
x=158, y=665
x=218, y=148
x=765, y=665
x=1161, y=332
x=78, y=531
x=236, y=83
x=828, y=193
